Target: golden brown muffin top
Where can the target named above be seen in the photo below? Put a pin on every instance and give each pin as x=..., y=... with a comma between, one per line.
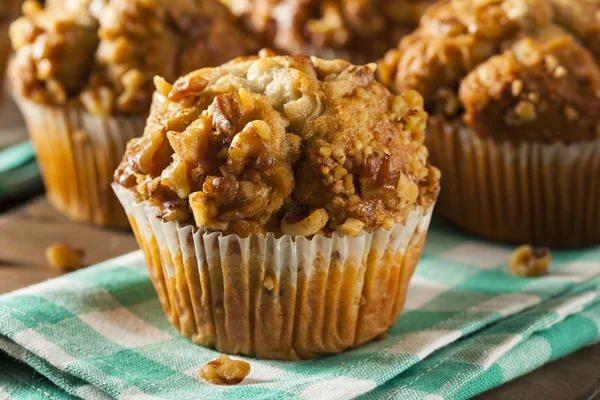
x=518, y=70
x=356, y=30
x=294, y=145
x=105, y=53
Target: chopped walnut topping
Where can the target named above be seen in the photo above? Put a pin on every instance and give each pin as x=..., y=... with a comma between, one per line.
x=65, y=257
x=289, y=145
x=560, y=72
x=523, y=113
x=516, y=87
x=225, y=371
x=106, y=53
x=351, y=227
x=530, y=261
x=571, y=113
x=516, y=64
x=355, y=30
x=308, y=226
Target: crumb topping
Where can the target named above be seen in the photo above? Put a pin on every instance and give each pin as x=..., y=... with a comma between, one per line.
x=294, y=145
x=356, y=30
x=105, y=54
x=522, y=70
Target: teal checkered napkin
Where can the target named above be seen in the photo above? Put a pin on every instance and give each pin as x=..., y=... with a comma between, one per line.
x=19, y=172
x=469, y=325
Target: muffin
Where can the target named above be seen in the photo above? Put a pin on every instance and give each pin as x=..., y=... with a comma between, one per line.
x=9, y=10
x=356, y=30
x=281, y=202
x=513, y=90
x=82, y=75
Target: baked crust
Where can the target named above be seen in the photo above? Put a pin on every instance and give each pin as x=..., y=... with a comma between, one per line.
x=356, y=30
x=105, y=54
x=519, y=70
x=282, y=144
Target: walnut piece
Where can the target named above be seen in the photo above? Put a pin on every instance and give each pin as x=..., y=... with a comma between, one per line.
x=530, y=261
x=225, y=371
x=65, y=257
x=310, y=225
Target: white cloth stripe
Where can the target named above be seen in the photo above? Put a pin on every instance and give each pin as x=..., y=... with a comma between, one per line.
x=340, y=388
x=421, y=344
x=125, y=328
x=42, y=347
x=481, y=255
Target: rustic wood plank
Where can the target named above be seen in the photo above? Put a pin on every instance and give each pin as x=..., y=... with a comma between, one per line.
x=27, y=231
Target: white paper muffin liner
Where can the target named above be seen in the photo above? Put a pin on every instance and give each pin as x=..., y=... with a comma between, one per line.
x=78, y=153
x=280, y=298
x=534, y=193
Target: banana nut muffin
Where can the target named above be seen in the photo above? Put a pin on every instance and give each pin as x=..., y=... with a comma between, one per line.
x=356, y=30
x=256, y=144
x=9, y=10
x=520, y=72
x=106, y=52
x=281, y=202
x=83, y=77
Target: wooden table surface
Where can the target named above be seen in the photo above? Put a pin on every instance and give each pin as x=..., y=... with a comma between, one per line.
x=26, y=231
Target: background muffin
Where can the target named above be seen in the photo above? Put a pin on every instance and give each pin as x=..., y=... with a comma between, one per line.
x=514, y=91
x=9, y=10
x=83, y=71
x=276, y=186
x=356, y=30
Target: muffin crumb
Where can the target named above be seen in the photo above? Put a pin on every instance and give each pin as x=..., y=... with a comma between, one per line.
x=65, y=257
x=225, y=371
x=528, y=261
x=517, y=87
x=571, y=113
x=268, y=283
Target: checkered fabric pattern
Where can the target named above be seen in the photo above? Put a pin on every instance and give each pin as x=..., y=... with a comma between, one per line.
x=468, y=326
x=19, y=172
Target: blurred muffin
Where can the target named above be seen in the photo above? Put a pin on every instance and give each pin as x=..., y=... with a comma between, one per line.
x=281, y=202
x=9, y=10
x=513, y=87
x=357, y=30
x=82, y=74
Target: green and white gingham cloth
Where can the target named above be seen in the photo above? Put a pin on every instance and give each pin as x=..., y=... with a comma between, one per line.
x=468, y=326
x=19, y=172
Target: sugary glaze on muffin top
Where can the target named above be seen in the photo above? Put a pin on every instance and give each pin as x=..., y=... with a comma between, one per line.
x=289, y=145
x=105, y=53
x=356, y=30
x=518, y=70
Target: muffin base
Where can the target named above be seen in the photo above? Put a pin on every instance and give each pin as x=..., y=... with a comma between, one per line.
x=278, y=298
x=78, y=154
x=534, y=193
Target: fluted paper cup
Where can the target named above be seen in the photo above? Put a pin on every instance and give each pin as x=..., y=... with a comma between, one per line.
x=78, y=154
x=280, y=298
x=534, y=193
